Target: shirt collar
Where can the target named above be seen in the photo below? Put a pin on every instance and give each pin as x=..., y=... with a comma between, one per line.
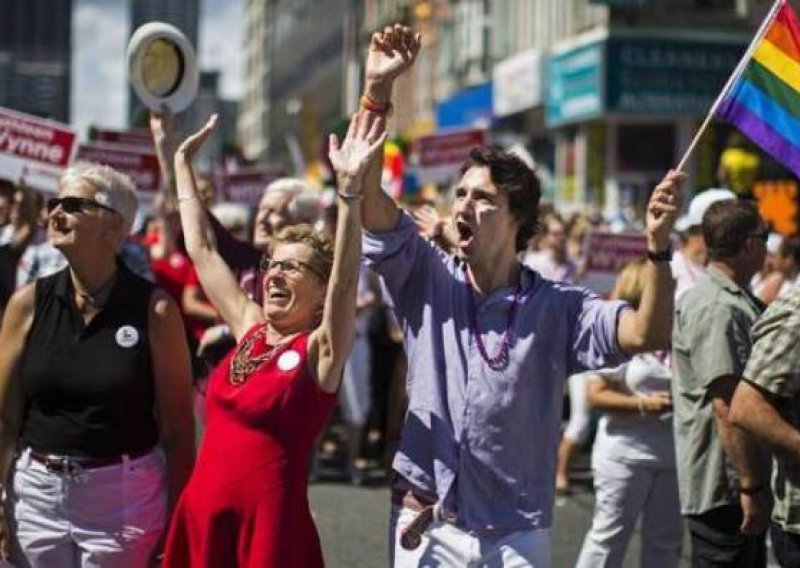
x=724, y=281
x=118, y=295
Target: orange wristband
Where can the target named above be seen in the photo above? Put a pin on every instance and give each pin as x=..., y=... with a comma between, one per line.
x=373, y=106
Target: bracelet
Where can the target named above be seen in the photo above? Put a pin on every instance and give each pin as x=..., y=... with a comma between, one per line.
x=374, y=106
x=751, y=490
x=349, y=196
x=188, y=198
x=641, y=404
x=660, y=255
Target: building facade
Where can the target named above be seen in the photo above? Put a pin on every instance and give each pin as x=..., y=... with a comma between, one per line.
x=299, y=77
x=35, y=57
x=603, y=94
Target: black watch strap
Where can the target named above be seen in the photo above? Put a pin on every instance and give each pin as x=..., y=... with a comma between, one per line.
x=751, y=490
x=660, y=255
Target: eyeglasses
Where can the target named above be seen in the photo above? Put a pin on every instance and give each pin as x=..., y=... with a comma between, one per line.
x=74, y=204
x=289, y=266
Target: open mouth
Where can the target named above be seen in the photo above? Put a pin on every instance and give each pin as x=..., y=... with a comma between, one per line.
x=277, y=294
x=464, y=232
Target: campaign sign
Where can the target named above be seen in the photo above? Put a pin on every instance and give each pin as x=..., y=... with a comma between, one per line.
x=606, y=254
x=134, y=137
x=247, y=185
x=34, y=149
x=441, y=155
x=139, y=163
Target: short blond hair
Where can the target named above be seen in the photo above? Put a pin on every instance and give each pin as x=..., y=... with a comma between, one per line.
x=112, y=188
x=321, y=245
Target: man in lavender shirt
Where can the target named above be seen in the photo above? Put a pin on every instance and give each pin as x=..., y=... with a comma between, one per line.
x=489, y=346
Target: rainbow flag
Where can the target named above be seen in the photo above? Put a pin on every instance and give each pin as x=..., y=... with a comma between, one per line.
x=763, y=99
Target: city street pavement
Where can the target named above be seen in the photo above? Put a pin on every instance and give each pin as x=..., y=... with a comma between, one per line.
x=353, y=522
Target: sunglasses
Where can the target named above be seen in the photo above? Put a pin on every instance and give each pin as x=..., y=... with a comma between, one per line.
x=290, y=267
x=75, y=204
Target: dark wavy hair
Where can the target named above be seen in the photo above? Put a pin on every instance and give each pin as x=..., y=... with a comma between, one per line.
x=514, y=178
x=727, y=225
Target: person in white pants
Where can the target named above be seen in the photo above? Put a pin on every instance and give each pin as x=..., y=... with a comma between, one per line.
x=634, y=457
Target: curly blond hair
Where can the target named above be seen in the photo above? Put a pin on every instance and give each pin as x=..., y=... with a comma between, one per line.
x=320, y=244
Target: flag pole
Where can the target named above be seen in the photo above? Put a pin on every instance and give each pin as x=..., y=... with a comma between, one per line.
x=731, y=80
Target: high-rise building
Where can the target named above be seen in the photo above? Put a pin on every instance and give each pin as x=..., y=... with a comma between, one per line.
x=296, y=89
x=35, y=68
x=183, y=14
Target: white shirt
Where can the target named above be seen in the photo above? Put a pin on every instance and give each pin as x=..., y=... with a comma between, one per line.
x=685, y=273
x=631, y=436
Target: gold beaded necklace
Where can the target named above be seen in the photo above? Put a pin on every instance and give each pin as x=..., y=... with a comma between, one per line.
x=243, y=363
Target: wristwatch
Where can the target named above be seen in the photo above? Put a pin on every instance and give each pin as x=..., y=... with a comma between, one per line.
x=660, y=255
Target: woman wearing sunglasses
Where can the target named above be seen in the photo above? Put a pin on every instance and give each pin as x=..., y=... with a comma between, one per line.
x=96, y=432
x=246, y=504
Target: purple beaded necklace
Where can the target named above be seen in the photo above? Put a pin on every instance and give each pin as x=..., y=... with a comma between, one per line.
x=500, y=360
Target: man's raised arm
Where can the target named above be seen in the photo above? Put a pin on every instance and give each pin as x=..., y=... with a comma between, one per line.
x=391, y=52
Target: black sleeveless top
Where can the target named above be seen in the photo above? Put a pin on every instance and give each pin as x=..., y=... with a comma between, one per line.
x=89, y=389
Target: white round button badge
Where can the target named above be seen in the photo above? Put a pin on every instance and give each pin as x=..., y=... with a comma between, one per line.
x=127, y=336
x=289, y=360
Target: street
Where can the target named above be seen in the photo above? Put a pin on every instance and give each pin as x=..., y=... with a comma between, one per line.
x=353, y=522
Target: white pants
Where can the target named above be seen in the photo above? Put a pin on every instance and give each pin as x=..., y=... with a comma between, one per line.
x=105, y=517
x=445, y=545
x=623, y=491
x=580, y=415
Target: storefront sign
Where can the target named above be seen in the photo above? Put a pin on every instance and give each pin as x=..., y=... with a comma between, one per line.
x=656, y=76
x=441, y=155
x=469, y=107
x=34, y=149
x=639, y=75
x=517, y=83
x=575, y=90
x=140, y=164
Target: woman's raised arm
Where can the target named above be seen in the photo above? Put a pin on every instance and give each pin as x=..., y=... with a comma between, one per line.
x=219, y=283
x=330, y=343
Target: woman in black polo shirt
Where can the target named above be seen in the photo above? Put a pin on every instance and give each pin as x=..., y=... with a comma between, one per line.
x=94, y=377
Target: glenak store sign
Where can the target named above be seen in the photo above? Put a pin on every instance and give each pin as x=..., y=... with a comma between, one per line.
x=33, y=149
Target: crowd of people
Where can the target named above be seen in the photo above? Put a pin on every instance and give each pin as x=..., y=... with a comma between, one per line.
x=444, y=340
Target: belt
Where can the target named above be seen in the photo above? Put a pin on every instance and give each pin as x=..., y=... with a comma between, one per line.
x=411, y=500
x=73, y=465
x=427, y=511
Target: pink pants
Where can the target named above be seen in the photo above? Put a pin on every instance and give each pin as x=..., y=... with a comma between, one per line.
x=104, y=517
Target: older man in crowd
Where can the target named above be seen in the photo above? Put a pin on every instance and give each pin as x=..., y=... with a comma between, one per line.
x=720, y=473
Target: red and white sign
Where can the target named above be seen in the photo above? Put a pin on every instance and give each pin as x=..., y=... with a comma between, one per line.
x=140, y=164
x=247, y=185
x=441, y=155
x=606, y=254
x=138, y=137
x=34, y=148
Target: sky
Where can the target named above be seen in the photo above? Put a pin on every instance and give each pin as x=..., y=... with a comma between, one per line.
x=100, y=31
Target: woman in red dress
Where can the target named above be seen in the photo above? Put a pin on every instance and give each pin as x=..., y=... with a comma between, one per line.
x=246, y=503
